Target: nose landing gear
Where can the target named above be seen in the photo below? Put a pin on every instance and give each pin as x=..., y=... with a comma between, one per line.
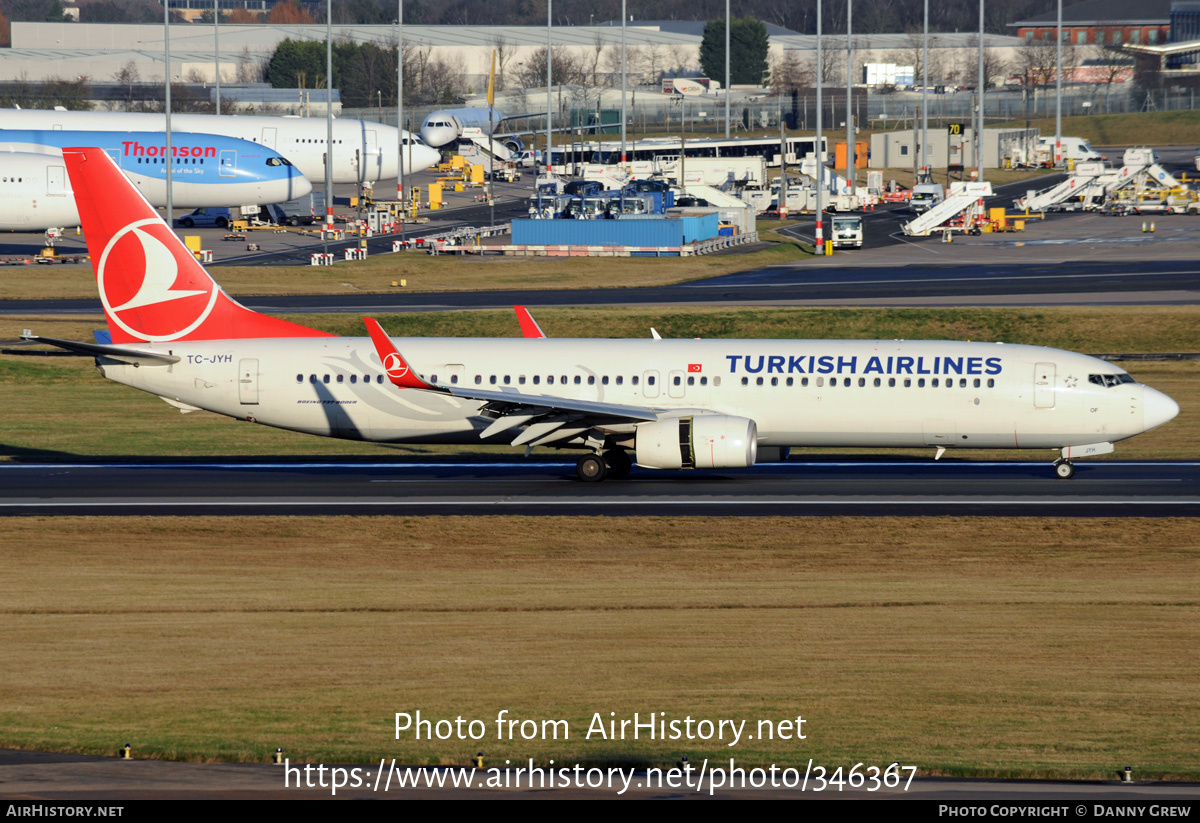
x=1065, y=469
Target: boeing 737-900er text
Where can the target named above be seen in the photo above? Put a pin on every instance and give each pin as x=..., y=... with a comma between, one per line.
x=364, y=152
x=664, y=404
x=208, y=171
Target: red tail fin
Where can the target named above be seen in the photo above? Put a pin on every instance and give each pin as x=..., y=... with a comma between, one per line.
x=152, y=287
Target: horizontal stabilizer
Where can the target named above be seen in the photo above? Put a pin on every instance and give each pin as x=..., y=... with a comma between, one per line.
x=140, y=358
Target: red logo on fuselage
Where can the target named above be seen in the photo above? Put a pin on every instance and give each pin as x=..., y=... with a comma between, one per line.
x=395, y=366
x=150, y=285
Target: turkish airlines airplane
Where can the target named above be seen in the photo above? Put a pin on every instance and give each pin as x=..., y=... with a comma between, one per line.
x=209, y=171
x=365, y=152
x=664, y=404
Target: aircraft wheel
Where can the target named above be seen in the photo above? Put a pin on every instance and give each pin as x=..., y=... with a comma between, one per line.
x=1065, y=469
x=591, y=468
x=619, y=463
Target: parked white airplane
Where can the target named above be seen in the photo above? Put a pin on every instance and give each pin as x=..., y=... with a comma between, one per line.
x=364, y=151
x=209, y=170
x=666, y=404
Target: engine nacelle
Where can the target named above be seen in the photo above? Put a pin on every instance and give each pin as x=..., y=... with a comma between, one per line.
x=514, y=144
x=706, y=441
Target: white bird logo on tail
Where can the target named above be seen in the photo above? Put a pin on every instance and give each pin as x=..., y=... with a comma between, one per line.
x=161, y=271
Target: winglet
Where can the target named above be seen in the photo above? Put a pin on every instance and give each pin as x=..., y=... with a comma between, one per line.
x=395, y=366
x=529, y=326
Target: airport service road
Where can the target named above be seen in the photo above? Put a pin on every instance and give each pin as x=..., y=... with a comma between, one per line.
x=1144, y=282
x=548, y=487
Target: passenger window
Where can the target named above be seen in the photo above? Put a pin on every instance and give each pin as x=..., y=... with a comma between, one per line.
x=312, y=378
x=878, y=382
x=691, y=381
x=716, y=381
x=536, y=379
x=325, y=379
x=354, y=378
x=492, y=379
x=478, y=379
x=962, y=383
x=604, y=380
x=774, y=381
x=620, y=380
x=789, y=381
x=521, y=379
x=507, y=379
x=907, y=382
x=299, y=378
x=991, y=382
x=578, y=380
x=804, y=381
x=934, y=382
x=650, y=380
x=676, y=380
x=920, y=382
x=976, y=379
x=340, y=378
x=820, y=382
x=550, y=379
x=862, y=381
x=454, y=378
x=433, y=378
x=745, y=381
x=758, y=382
x=634, y=380
x=379, y=378
x=891, y=382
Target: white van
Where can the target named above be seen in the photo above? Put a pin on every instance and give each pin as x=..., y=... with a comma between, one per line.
x=1073, y=148
x=925, y=196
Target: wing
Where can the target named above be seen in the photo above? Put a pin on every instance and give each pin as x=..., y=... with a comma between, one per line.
x=138, y=358
x=544, y=418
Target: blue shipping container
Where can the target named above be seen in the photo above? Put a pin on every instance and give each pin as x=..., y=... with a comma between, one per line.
x=657, y=233
x=699, y=226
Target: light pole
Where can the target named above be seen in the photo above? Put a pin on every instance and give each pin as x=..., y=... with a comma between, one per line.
x=217, y=48
x=982, y=85
x=623, y=18
x=727, y=23
x=328, y=122
x=170, y=158
x=850, y=164
x=924, y=92
x=820, y=241
x=549, y=96
x=1058, y=90
x=400, y=114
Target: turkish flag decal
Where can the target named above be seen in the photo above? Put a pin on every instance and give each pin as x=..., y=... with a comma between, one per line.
x=695, y=368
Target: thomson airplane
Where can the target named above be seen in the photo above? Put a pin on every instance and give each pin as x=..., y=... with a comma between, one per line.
x=35, y=193
x=365, y=152
x=664, y=404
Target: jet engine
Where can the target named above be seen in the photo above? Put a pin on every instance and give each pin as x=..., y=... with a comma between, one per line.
x=706, y=441
x=514, y=144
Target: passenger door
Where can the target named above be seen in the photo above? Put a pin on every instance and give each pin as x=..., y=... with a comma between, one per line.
x=228, y=163
x=1043, y=386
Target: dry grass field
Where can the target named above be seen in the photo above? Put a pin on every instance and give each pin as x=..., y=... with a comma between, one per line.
x=962, y=646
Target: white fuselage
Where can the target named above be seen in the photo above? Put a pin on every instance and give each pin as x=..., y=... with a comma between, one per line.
x=36, y=194
x=798, y=392
x=364, y=152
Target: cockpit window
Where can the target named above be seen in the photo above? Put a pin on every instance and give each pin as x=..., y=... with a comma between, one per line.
x=278, y=161
x=1110, y=380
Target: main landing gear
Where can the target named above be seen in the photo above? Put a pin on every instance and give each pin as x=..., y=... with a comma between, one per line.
x=1065, y=469
x=592, y=468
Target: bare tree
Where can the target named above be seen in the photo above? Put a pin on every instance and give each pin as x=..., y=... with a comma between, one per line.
x=1111, y=62
x=565, y=69
x=249, y=68
x=504, y=54
x=128, y=76
x=790, y=71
